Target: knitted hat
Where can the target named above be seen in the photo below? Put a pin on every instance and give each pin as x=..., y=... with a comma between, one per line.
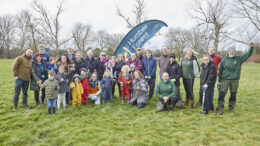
x=83, y=69
x=103, y=54
x=231, y=48
x=172, y=56
x=75, y=76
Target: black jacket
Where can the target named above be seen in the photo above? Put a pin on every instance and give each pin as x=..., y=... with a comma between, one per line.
x=118, y=67
x=79, y=65
x=91, y=64
x=100, y=69
x=208, y=74
x=175, y=72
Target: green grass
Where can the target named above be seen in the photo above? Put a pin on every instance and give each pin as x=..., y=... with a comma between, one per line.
x=117, y=124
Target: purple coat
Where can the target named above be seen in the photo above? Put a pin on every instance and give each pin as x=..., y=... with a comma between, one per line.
x=137, y=63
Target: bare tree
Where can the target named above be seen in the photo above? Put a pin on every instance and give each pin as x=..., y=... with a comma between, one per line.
x=198, y=41
x=139, y=13
x=101, y=39
x=214, y=17
x=114, y=40
x=7, y=33
x=49, y=26
x=82, y=34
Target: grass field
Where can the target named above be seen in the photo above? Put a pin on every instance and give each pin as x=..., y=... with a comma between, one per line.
x=117, y=124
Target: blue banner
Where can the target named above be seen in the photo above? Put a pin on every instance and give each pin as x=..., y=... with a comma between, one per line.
x=138, y=36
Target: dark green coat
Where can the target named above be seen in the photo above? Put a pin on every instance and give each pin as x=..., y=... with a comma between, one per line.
x=166, y=89
x=36, y=76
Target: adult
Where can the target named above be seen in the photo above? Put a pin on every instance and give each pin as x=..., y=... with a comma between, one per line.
x=101, y=61
x=164, y=59
x=90, y=62
x=149, y=71
x=117, y=69
x=134, y=63
x=175, y=72
x=79, y=62
x=22, y=75
x=39, y=75
x=229, y=75
x=207, y=83
x=95, y=89
x=166, y=92
x=139, y=54
x=139, y=90
x=71, y=55
x=45, y=56
x=190, y=70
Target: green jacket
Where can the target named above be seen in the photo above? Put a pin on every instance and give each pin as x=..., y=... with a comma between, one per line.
x=166, y=89
x=230, y=68
x=51, y=88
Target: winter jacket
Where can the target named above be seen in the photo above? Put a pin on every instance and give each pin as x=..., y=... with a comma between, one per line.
x=208, y=74
x=51, y=87
x=190, y=68
x=76, y=91
x=162, y=63
x=107, y=83
x=62, y=80
x=100, y=69
x=166, y=89
x=126, y=79
x=117, y=68
x=175, y=72
x=149, y=67
x=50, y=66
x=79, y=65
x=95, y=87
x=230, y=68
x=22, y=68
x=91, y=64
x=216, y=60
x=139, y=94
x=39, y=72
x=84, y=82
x=137, y=64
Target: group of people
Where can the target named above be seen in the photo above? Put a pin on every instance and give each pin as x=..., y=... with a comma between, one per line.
x=72, y=77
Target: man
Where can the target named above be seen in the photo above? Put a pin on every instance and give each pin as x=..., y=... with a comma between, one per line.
x=229, y=75
x=149, y=71
x=45, y=56
x=166, y=92
x=22, y=75
x=71, y=54
x=139, y=54
x=164, y=59
x=90, y=62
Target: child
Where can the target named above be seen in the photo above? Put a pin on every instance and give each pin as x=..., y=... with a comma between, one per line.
x=76, y=91
x=125, y=81
x=113, y=61
x=51, y=87
x=107, y=86
x=62, y=79
x=84, y=82
x=51, y=65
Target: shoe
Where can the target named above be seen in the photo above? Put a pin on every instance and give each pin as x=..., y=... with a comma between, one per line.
x=203, y=113
x=14, y=107
x=191, y=104
x=186, y=102
x=25, y=106
x=220, y=111
x=49, y=111
x=230, y=111
x=171, y=110
x=122, y=101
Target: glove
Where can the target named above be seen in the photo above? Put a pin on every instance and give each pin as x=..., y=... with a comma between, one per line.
x=173, y=80
x=205, y=86
x=127, y=82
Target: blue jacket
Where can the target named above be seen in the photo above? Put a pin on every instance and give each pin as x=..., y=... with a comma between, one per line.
x=149, y=67
x=107, y=82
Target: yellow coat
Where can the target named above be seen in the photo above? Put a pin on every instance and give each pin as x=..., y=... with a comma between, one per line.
x=76, y=91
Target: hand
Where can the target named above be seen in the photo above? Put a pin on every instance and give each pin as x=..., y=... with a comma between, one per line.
x=146, y=77
x=16, y=77
x=68, y=80
x=173, y=80
x=252, y=44
x=219, y=83
x=149, y=77
x=205, y=86
x=137, y=87
x=74, y=86
x=61, y=80
x=39, y=82
x=103, y=86
x=72, y=69
x=165, y=99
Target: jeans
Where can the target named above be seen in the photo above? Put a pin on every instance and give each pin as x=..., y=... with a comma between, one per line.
x=17, y=88
x=95, y=98
x=63, y=97
x=151, y=84
x=51, y=103
x=107, y=94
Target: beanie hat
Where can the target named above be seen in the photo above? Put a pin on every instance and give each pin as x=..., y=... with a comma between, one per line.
x=231, y=48
x=172, y=56
x=75, y=76
x=83, y=69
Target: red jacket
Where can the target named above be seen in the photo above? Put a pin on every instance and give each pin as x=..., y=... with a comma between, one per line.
x=85, y=85
x=125, y=79
x=216, y=60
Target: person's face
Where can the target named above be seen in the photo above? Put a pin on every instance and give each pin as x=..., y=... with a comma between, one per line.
x=211, y=51
x=103, y=56
x=125, y=70
x=90, y=55
x=165, y=51
x=78, y=56
x=76, y=79
x=63, y=59
x=83, y=73
x=38, y=59
x=133, y=57
x=165, y=77
x=113, y=59
x=70, y=51
x=148, y=54
x=61, y=70
x=41, y=49
x=51, y=77
x=120, y=57
x=189, y=53
x=109, y=65
x=171, y=59
x=206, y=60
x=52, y=60
x=107, y=74
x=231, y=53
x=29, y=53
x=136, y=74
x=94, y=77
x=139, y=52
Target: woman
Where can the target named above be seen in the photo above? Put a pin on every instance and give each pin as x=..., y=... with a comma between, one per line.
x=39, y=75
x=117, y=69
x=139, y=90
x=95, y=89
x=166, y=92
x=101, y=61
x=207, y=82
x=134, y=63
x=190, y=70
